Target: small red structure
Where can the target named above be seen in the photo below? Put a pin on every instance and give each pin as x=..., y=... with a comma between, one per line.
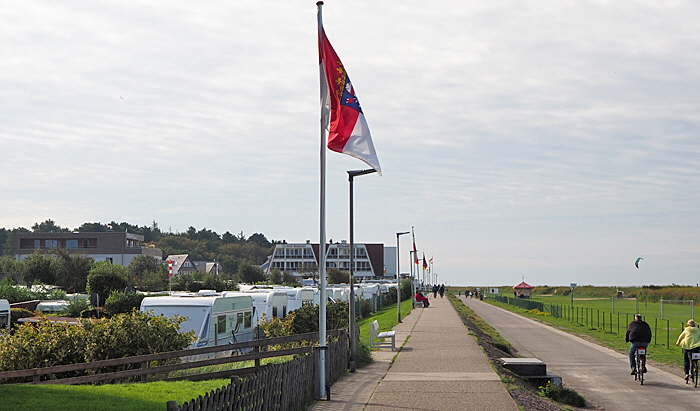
x=522, y=290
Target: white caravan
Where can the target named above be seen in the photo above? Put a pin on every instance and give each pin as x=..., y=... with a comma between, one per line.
x=215, y=319
x=272, y=303
x=4, y=314
x=298, y=297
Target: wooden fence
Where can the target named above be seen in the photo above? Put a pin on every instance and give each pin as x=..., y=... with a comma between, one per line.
x=286, y=386
x=144, y=365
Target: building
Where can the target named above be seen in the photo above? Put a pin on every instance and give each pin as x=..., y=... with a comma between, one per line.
x=372, y=261
x=115, y=247
x=182, y=263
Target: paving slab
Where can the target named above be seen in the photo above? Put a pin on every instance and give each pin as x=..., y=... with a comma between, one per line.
x=439, y=367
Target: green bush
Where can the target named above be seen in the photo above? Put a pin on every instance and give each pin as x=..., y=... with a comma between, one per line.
x=305, y=319
x=17, y=313
x=46, y=344
x=104, y=278
x=75, y=307
x=123, y=302
x=562, y=395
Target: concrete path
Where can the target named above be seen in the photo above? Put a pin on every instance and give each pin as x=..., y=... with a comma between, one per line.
x=600, y=374
x=440, y=367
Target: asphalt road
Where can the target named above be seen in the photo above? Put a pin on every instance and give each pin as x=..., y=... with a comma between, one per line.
x=598, y=373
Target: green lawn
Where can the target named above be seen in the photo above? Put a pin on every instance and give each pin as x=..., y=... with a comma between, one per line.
x=112, y=397
x=590, y=315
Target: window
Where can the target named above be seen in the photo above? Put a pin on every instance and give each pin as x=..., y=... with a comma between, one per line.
x=187, y=264
x=37, y=243
x=333, y=253
x=51, y=243
x=221, y=324
x=71, y=243
x=344, y=253
x=308, y=253
x=360, y=252
x=109, y=260
x=294, y=253
x=274, y=311
x=248, y=319
x=86, y=243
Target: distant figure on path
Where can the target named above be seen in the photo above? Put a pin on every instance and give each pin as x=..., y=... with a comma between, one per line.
x=689, y=340
x=435, y=291
x=639, y=335
x=442, y=290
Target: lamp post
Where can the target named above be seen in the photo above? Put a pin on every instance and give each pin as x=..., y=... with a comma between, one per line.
x=351, y=176
x=398, y=275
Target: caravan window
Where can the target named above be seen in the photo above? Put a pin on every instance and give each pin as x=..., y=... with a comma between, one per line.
x=274, y=311
x=239, y=320
x=221, y=324
x=248, y=319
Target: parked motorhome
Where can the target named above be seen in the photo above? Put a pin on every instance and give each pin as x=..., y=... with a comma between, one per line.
x=4, y=314
x=272, y=303
x=215, y=319
x=52, y=306
x=298, y=297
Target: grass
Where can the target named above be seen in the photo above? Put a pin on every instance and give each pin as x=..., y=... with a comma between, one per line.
x=659, y=351
x=111, y=397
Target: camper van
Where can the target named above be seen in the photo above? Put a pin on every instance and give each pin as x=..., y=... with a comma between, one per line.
x=4, y=315
x=272, y=303
x=298, y=297
x=215, y=319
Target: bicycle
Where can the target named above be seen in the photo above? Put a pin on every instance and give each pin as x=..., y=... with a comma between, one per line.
x=640, y=359
x=694, y=369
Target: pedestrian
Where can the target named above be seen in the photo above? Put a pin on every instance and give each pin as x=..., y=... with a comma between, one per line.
x=442, y=290
x=435, y=290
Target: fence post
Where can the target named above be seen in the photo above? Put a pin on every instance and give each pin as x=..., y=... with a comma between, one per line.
x=144, y=365
x=656, y=321
x=668, y=334
x=603, y=321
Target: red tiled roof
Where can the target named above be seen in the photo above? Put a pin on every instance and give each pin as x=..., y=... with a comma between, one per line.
x=523, y=285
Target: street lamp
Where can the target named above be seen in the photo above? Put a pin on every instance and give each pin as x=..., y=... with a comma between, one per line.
x=398, y=275
x=351, y=177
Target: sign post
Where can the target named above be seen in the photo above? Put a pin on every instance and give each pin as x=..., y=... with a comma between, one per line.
x=170, y=276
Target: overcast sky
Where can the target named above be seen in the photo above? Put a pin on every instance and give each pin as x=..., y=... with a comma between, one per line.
x=550, y=141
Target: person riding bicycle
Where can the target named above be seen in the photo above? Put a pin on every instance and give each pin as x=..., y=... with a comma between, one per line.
x=689, y=340
x=639, y=335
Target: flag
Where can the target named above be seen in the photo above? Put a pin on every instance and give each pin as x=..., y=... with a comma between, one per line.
x=415, y=252
x=430, y=264
x=341, y=114
x=425, y=263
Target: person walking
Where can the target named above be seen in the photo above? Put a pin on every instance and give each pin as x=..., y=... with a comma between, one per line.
x=442, y=290
x=689, y=340
x=638, y=335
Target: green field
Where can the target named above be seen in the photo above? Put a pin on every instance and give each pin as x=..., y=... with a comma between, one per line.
x=605, y=319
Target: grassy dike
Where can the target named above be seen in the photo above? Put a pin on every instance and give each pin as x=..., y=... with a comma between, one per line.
x=494, y=346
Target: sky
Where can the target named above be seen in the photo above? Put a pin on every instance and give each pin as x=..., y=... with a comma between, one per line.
x=551, y=142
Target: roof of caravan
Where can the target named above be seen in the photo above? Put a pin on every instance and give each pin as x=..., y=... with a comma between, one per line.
x=188, y=300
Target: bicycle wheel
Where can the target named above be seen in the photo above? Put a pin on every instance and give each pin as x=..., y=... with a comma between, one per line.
x=641, y=360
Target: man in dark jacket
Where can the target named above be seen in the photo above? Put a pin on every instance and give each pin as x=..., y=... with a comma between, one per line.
x=639, y=335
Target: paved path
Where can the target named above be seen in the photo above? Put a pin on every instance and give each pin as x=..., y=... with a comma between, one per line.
x=440, y=367
x=598, y=373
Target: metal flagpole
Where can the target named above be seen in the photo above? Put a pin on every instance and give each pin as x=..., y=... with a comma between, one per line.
x=322, y=238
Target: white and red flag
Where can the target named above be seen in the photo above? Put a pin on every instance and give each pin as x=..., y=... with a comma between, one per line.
x=341, y=113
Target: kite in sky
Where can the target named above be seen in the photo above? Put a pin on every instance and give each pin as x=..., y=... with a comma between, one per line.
x=636, y=263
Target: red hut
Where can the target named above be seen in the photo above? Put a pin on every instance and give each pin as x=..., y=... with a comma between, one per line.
x=522, y=290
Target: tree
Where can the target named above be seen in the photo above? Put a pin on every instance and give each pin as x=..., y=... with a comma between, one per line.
x=142, y=265
x=8, y=267
x=37, y=267
x=275, y=276
x=104, y=278
x=70, y=270
x=260, y=240
x=250, y=274
x=48, y=226
x=335, y=276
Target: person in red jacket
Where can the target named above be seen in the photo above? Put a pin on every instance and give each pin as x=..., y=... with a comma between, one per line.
x=420, y=297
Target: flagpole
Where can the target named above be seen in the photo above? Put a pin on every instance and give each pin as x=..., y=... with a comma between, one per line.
x=322, y=239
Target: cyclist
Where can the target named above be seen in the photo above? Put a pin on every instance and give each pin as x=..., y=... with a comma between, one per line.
x=639, y=335
x=689, y=340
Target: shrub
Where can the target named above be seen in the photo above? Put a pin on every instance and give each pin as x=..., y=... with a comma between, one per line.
x=123, y=302
x=17, y=313
x=46, y=344
x=104, y=278
x=562, y=395
x=75, y=307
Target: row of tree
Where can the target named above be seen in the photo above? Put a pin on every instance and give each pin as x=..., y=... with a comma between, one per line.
x=231, y=250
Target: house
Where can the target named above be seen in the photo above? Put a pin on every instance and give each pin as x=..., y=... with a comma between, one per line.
x=522, y=290
x=371, y=261
x=115, y=247
x=182, y=263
